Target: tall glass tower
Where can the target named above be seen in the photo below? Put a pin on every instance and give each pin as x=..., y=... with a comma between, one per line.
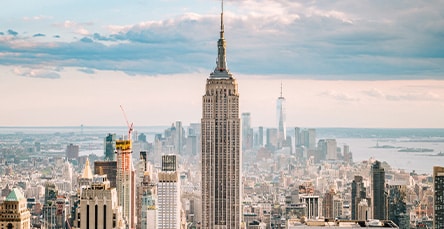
x=280, y=109
x=221, y=160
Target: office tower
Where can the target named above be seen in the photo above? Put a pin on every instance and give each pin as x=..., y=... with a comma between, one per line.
x=280, y=111
x=108, y=168
x=13, y=211
x=141, y=137
x=397, y=206
x=331, y=149
x=311, y=138
x=98, y=206
x=328, y=149
x=193, y=139
x=124, y=178
x=272, y=138
x=438, y=186
x=67, y=175
x=327, y=204
x=168, y=193
x=357, y=195
x=247, y=137
x=297, y=136
x=72, y=151
x=312, y=206
x=110, y=147
x=54, y=212
x=221, y=162
x=348, y=157
x=378, y=191
x=192, y=145
x=261, y=136
x=147, y=204
x=179, y=138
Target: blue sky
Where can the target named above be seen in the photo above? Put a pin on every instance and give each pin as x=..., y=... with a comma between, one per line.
x=280, y=40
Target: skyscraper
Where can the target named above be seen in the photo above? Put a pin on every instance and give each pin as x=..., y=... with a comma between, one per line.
x=358, y=194
x=110, y=147
x=123, y=182
x=247, y=135
x=280, y=109
x=438, y=186
x=168, y=193
x=378, y=191
x=221, y=162
x=108, y=168
x=98, y=206
x=72, y=151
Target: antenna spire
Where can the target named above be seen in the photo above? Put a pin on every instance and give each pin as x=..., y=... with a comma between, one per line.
x=221, y=45
x=281, y=89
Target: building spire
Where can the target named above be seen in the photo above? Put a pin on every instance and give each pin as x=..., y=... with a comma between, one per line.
x=281, y=88
x=221, y=69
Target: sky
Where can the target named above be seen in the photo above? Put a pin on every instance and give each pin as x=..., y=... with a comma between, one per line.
x=348, y=63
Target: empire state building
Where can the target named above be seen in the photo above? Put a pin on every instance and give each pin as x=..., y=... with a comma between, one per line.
x=221, y=159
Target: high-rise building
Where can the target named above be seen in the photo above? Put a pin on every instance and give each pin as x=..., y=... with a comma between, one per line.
x=221, y=158
x=98, y=206
x=280, y=114
x=72, y=151
x=108, y=168
x=297, y=136
x=272, y=138
x=378, y=191
x=179, y=138
x=145, y=201
x=328, y=149
x=357, y=195
x=147, y=204
x=397, y=202
x=261, y=136
x=312, y=206
x=168, y=194
x=110, y=147
x=13, y=211
x=438, y=186
x=124, y=178
x=247, y=135
x=311, y=138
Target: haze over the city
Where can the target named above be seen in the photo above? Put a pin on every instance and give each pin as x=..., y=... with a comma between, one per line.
x=341, y=63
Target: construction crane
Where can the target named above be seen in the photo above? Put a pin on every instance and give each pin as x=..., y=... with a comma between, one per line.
x=130, y=126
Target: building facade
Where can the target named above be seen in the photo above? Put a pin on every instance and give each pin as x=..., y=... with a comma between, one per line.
x=438, y=185
x=221, y=158
x=13, y=211
x=124, y=182
x=168, y=194
x=98, y=206
x=378, y=191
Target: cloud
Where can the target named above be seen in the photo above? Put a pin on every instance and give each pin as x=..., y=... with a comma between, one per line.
x=36, y=73
x=86, y=70
x=332, y=40
x=12, y=32
x=38, y=35
x=86, y=40
x=37, y=18
x=403, y=96
x=340, y=96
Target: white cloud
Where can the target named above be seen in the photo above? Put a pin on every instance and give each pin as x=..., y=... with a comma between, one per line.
x=340, y=96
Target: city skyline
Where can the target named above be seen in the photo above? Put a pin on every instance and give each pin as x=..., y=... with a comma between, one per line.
x=363, y=64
